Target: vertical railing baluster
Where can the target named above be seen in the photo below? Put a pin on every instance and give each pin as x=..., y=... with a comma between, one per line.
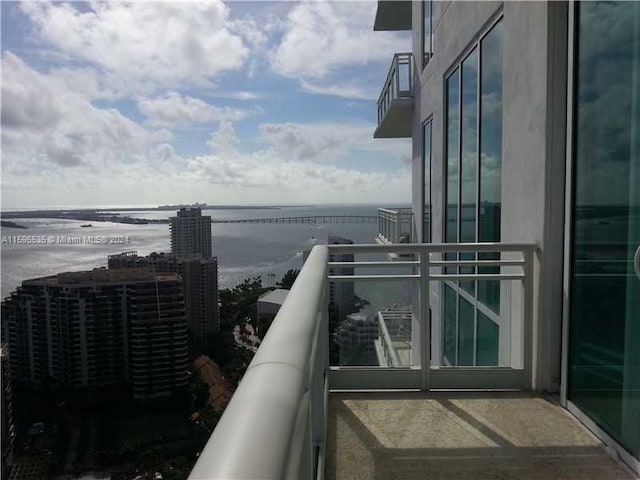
x=528, y=327
x=425, y=321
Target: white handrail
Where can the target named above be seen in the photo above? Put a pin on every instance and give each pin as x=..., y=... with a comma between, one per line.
x=254, y=437
x=274, y=425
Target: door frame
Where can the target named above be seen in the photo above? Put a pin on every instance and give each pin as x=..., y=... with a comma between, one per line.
x=613, y=447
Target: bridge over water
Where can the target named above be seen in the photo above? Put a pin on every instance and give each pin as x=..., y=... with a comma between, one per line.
x=307, y=219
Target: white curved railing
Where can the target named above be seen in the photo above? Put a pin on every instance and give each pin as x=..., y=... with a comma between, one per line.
x=272, y=429
x=274, y=426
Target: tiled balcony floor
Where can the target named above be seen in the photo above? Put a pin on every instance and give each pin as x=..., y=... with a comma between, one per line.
x=445, y=435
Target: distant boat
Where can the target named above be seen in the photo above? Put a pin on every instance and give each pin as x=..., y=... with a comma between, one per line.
x=86, y=225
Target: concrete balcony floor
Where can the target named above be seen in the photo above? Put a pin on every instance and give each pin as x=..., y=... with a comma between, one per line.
x=450, y=435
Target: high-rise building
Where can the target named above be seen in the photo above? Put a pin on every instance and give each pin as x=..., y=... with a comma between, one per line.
x=99, y=328
x=356, y=338
x=8, y=427
x=199, y=281
x=191, y=233
x=342, y=293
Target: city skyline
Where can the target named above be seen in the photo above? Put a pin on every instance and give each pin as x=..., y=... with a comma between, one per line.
x=245, y=102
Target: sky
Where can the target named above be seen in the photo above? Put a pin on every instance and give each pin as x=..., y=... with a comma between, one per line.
x=147, y=103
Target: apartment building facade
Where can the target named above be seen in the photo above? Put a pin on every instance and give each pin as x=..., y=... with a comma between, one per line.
x=199, y=281
x=525, y=124
x=7, y=424
x=99, y=328
x=190, y=233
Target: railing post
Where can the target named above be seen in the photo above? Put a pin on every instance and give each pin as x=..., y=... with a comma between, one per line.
x=425, y=321
x=319, y=388
x=528, y=337
x=396, y=67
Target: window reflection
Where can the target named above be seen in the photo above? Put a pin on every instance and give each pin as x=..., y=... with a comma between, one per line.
x=490, y=157
x=472, y=214
x=604, y=374
x=426, y=185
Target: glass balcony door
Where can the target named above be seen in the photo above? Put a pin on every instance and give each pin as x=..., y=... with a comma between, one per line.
x=604, y=322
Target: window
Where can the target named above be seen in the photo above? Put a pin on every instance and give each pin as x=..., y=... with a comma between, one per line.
x=427, y=31
x=426, y=181
x=490, y=157
x=473, y=171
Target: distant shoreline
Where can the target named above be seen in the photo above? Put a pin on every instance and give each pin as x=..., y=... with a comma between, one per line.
x=7, y=224
x=160, y=208
x=107, y=215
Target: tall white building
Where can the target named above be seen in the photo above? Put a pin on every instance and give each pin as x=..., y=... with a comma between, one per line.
x=524, y=121
x=191, y=233
x=99, y=328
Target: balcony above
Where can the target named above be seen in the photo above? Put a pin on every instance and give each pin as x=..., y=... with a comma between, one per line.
x=393, y=15
x=395, y=104
x=395, y=225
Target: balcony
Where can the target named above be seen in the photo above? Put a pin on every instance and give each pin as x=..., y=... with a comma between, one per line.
x=303, y=412
x=395, y=225
x=395, y=104
x=393, y=15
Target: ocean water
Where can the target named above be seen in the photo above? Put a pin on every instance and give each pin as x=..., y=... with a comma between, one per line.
x=243, y=250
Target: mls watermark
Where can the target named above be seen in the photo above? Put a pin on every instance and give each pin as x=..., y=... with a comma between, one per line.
x=65, y=240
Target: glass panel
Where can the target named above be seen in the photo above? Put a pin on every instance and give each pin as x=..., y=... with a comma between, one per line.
x=490, y=155
x=489, y=290
x=451, y=214
x=450, y=327
x=465, y=333
x=371, y=323
x=468, y=286
x=426, y=181
x=488, y=337
x=451, y=234
x=427, y=47
x=469, y=160
x=604, y=362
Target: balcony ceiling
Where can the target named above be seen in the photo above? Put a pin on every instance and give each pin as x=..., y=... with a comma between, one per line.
x=393, y=15
x=398, y=121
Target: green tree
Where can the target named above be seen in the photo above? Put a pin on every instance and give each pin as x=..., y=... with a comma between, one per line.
x=200, y=392
x=288, y=279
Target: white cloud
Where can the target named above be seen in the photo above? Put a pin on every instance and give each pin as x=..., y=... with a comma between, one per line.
x=175, y=110
x=141, y=44
x=224, y=139
x=287, y=169
x=321, y=37
x=244, y=95
x=326, y=141
x=341, y=90
x=45, y=124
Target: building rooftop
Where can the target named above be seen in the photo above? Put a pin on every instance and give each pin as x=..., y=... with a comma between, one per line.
x=163, y=255
x=275, y=297
x=219, y=391
x=102, y=275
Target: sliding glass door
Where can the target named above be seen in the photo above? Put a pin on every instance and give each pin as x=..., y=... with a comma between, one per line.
x=604, y=325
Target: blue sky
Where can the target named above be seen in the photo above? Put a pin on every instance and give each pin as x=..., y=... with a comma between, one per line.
x=176, y=102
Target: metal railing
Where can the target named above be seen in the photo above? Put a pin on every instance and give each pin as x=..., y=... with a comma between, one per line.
x=274, y=427
x=393, y=328
x=399, y=83
x=395, y=225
